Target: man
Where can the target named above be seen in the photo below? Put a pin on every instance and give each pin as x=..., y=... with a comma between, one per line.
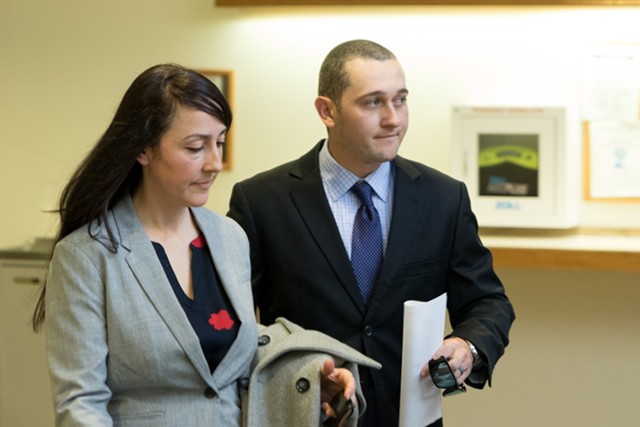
x=302, y=222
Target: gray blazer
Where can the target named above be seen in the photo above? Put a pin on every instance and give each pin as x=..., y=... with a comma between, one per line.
x=120, y=348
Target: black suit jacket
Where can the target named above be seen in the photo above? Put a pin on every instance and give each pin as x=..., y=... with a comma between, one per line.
x=301, y=270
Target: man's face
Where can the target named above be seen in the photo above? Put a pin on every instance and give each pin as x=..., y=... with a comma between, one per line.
x=372, y=118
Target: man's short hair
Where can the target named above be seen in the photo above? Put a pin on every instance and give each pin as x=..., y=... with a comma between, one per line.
x=333, y=78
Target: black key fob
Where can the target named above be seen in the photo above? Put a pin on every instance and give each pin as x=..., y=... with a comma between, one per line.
x=343, y=408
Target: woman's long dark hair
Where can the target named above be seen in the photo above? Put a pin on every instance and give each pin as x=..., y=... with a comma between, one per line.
x=111, y=169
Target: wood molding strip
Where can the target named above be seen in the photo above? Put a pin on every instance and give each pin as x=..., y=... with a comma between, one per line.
x=233, y=3
x=561, y=259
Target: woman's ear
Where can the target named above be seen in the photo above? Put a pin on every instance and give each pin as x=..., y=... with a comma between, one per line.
x=326, y=110
x=143, y=157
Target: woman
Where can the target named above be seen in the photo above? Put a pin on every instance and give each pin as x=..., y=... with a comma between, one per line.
x=149, y=312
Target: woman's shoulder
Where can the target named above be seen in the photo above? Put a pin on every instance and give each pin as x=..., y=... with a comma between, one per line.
x=206, y=215
x=214, y=221
x=100, y=234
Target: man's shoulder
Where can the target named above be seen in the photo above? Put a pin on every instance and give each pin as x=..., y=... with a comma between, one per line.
x=278, y=172
x=416, y=170
x=297, y=169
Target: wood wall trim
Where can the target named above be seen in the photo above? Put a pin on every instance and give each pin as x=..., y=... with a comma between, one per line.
x=563, y=259
x=233, y=3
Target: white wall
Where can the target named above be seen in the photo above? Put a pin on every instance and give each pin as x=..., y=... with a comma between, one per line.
x=65, y=66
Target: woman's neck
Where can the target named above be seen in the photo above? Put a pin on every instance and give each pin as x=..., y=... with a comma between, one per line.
x=164, y=224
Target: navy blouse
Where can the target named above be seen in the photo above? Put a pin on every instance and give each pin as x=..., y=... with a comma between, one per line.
x=210, y=313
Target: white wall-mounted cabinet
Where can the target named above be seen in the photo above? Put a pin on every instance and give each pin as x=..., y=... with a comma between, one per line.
x=521, y=165
x=25, y=394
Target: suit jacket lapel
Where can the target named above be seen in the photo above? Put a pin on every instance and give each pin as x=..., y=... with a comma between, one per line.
x=310, y=199
x=144, y=264
x=406, y=209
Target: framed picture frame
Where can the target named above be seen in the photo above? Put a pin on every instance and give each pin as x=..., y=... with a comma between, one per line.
x=519, y=164
x=224, y=80
x=611, y=161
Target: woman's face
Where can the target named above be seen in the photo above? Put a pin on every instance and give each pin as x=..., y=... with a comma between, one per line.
x=179, y=171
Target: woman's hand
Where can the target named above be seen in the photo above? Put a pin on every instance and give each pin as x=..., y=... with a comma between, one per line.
x=335, y=380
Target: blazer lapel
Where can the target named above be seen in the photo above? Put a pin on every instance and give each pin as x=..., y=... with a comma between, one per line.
x=146, y=267
x=309, y=198
x=406, y=209
x=227, y=253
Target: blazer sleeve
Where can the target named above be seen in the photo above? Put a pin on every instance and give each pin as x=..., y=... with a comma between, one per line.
x=479, y=309
x=76, y=342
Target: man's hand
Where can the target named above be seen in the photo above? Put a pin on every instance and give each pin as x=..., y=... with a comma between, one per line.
x=458, y=354
x=333, y=381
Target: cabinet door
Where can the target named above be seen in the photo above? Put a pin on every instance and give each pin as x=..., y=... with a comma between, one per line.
x=25, y=394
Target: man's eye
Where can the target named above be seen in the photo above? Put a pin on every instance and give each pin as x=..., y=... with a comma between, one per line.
x=400, y=100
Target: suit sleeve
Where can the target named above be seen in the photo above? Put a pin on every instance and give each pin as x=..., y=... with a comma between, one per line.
x=478, y=306
x=240, y=211
x=76, y=339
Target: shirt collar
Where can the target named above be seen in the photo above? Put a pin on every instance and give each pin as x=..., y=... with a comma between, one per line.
x=338, y=180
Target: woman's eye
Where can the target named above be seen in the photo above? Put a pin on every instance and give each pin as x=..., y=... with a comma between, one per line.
x=195, y=149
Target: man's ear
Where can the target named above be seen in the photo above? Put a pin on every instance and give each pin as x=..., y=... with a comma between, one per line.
x=326, y=110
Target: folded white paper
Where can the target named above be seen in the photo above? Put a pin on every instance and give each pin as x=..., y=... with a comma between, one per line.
x=420, y=400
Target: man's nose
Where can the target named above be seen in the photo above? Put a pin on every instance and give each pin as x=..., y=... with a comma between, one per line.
x=390, y=116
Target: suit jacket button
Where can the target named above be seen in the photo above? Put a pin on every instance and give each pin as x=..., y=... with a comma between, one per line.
x=302, y=385
x=368, y=330
x=209, y=393
x=264, y=340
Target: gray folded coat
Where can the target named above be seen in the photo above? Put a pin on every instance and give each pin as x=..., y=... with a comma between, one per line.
x=283, y=388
